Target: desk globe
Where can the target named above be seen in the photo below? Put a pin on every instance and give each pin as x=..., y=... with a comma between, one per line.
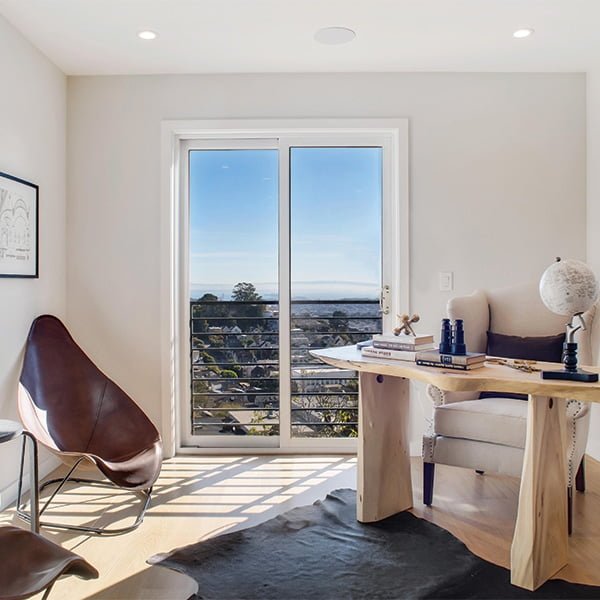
x=570, y=288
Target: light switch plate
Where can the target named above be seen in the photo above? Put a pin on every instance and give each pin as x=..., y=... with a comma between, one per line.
x=446, y=281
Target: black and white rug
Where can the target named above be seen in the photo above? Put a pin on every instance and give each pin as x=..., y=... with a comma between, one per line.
x=323, y=552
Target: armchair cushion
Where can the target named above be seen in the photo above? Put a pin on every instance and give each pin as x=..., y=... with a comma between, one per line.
x=501, y=421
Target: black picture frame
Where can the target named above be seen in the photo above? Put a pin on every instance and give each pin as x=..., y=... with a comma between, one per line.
x=19, y=197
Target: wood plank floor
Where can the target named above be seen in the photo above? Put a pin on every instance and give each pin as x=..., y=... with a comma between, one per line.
x=199, y=497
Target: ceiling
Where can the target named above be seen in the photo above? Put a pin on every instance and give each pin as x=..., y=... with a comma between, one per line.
x=92, y=37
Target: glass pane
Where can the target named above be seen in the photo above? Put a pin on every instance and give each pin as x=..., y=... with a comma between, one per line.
x=234, y=293
x=336, y=208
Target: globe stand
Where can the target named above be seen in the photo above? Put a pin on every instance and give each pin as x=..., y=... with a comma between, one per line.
x=569, y=287
x=570, y=372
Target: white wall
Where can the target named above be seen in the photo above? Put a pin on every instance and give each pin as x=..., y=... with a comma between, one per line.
x=593, y=223
x=32, y=147
x=497, y=164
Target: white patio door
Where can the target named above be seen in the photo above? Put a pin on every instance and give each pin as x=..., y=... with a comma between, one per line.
x=292, y=244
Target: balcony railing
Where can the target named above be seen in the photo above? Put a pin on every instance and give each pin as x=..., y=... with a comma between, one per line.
x=235, y=366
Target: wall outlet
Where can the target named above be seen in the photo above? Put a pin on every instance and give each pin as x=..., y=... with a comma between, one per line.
x=446, y=281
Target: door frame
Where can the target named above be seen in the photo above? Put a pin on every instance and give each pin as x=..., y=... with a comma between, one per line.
x=391, y=134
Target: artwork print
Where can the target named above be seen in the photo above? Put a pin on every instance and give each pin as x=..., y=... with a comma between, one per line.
x=18, y=227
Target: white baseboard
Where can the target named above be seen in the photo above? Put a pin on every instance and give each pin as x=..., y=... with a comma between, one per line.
x=8, y=495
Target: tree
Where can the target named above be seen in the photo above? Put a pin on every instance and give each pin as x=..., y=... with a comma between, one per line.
x=245, y=292
x=340, y=323
x=199, y=387
x=208, y=306
x=208, y=298
x=228, y=373
x=206, y=357
x=216, y=341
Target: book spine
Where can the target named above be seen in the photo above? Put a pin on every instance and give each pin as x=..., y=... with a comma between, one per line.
x=450, y=359
x=401, y=346
x=431, y=363
x=391, y=354
x=398, y=339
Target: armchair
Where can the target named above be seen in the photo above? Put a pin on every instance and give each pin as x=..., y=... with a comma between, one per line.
x=75, y=411
x=488, y=434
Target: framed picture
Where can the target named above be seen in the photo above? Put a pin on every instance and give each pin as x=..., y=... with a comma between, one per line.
x=18, y=227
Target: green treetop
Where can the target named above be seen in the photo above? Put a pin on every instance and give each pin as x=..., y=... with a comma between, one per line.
x=245, y=292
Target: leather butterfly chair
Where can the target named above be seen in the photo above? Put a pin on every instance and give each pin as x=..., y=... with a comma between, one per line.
x=79, y=414
x=30, y=563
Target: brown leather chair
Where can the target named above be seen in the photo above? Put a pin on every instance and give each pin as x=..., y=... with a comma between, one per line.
x=78, y=413
x=30, y=563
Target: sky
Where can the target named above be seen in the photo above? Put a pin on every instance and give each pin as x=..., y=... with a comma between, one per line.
x=335, y=196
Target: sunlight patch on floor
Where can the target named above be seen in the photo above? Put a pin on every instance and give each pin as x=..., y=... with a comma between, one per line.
x=195, y=498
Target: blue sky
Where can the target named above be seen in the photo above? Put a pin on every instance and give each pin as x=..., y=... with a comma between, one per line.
x=335, y=213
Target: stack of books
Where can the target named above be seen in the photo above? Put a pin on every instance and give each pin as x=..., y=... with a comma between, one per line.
x=462, y=362
x=397, y=347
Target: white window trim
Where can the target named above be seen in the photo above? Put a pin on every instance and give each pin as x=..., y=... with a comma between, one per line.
x=174, y=242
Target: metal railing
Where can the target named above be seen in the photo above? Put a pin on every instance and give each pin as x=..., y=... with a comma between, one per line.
x=235, y=366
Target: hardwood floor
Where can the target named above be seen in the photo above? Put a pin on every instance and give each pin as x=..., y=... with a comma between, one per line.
x=199, y=497
x=481, y=511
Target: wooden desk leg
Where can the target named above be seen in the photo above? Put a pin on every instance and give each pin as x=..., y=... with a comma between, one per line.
x=384, y=484
x=540, y=543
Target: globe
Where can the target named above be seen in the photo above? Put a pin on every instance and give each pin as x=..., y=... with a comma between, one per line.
x=568, y=287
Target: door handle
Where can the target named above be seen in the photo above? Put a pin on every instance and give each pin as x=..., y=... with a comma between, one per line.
x=384, y=298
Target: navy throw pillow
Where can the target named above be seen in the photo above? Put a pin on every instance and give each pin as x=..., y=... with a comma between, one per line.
x=547, y=349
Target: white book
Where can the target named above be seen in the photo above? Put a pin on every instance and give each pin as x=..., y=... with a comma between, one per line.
x=414, y=340
x=401, y=346
x=390, y=354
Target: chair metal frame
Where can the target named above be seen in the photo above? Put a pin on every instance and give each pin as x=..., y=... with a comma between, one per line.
x=34, y=514
x=33, y=518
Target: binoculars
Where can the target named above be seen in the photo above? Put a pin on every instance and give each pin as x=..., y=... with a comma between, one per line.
x=452, y=339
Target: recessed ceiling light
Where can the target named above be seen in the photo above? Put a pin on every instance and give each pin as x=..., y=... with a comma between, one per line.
x=522, y=33
x=147, y=34
x=334, y=35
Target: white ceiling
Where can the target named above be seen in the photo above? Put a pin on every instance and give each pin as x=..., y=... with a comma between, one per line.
x=239, y=36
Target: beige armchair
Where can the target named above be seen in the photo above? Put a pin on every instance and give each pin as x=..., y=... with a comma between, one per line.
x=489, y=434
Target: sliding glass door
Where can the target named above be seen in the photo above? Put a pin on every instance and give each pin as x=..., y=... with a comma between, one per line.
x=335, y=279
x=234, y=294
x=285, y=246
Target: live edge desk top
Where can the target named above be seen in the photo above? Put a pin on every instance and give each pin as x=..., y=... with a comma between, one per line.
x=490, y=378
x=540, y=542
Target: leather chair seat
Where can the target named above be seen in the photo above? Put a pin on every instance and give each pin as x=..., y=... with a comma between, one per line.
x=493, y=420
x=30, y=563
x=133, y=472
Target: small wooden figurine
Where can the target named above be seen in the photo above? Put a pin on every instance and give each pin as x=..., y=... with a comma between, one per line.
x=406, y=322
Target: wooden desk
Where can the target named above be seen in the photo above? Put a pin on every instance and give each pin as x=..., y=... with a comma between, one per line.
x=540, y=542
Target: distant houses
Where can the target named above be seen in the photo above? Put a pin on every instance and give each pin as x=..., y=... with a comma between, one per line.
x=235, y=368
